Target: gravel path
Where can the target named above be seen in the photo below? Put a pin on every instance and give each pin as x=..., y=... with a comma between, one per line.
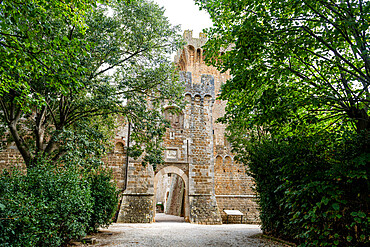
x=173, y=231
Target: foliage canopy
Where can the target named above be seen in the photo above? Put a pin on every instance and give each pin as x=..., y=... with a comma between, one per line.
x=68, y=68
x=70, y=72
x=298, y=111
x=296, y=65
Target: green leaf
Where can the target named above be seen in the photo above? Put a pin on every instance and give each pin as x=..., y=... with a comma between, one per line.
x=335, y=206
x=325, y=200
x=361, y=214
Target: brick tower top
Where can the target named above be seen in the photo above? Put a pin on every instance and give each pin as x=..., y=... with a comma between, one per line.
x=195, y=43
x=198, y=77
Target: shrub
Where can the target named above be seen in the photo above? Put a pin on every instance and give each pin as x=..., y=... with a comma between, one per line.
x=266, y=169
x=105, y=198
x=314, y=190
x=46, y=207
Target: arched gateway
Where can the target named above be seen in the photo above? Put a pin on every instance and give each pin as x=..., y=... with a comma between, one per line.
x=174, y=170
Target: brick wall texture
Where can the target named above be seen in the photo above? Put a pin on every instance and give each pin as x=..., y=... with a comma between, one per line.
x=175, y=202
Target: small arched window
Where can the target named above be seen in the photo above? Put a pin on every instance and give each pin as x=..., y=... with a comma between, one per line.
x=191, y=50
x=199, y=55
x=175, y=117
x=119, y=147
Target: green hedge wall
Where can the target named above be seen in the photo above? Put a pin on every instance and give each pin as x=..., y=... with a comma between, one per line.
x=52, y=204
x=314, y=190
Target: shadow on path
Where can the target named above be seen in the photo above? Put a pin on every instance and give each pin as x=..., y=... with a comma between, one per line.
x=161, y=218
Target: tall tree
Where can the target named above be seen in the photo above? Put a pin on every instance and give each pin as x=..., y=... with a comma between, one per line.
x=67, y=67
x=296, y=65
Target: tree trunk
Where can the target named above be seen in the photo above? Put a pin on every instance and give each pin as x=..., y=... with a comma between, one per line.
x=363, y=121
x=19, y=142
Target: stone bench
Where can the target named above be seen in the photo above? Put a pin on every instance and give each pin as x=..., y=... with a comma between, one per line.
x=233, y=212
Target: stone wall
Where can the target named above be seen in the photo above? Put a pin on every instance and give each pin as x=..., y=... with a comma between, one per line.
x=11, y=158
x=116, y=161
x=136, y=208
x=175, y=202
x=234, y=190
x=231, y=177
x=244, y=203
x=204, y=210
x=138, y=199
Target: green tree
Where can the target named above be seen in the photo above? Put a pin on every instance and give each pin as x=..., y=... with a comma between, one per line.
x=36, y=38
x=296, y=65
x=298, y=111
x=68, y=68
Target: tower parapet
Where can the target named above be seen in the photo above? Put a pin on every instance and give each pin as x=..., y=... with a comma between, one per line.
x=205, y=87
x=194, y=50
x=196, y=42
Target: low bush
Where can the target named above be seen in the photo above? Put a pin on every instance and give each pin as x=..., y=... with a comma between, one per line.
x=105, y=199
x=46, y=207
x=314, y=190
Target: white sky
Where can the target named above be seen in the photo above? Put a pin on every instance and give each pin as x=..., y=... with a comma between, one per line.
x=187, y=14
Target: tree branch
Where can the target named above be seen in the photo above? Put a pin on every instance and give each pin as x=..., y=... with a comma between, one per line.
x=5, y=111
x=39, y=130
x=337, y=54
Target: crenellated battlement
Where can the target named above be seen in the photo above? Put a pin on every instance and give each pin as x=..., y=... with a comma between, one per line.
x=196, y=42
x=193, y=51
x=205, y=87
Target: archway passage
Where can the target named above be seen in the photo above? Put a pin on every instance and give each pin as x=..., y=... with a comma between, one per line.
x=170, y=195
x=171, y=200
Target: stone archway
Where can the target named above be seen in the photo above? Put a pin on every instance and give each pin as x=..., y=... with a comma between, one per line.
x=181, y=173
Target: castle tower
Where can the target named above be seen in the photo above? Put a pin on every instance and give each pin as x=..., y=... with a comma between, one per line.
x=200, y=81
x=213, y=170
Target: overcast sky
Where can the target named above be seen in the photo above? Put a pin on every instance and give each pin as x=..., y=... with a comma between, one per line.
x=187, y=14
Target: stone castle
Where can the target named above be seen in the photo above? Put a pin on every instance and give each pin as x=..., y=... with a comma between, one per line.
x=199, y=178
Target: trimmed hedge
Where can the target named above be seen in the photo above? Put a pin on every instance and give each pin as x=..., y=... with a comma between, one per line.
x=314, y=190
x=47, y=207
x=52, y=204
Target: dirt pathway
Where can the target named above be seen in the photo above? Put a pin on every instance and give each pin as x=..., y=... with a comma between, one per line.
x=173, y=231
